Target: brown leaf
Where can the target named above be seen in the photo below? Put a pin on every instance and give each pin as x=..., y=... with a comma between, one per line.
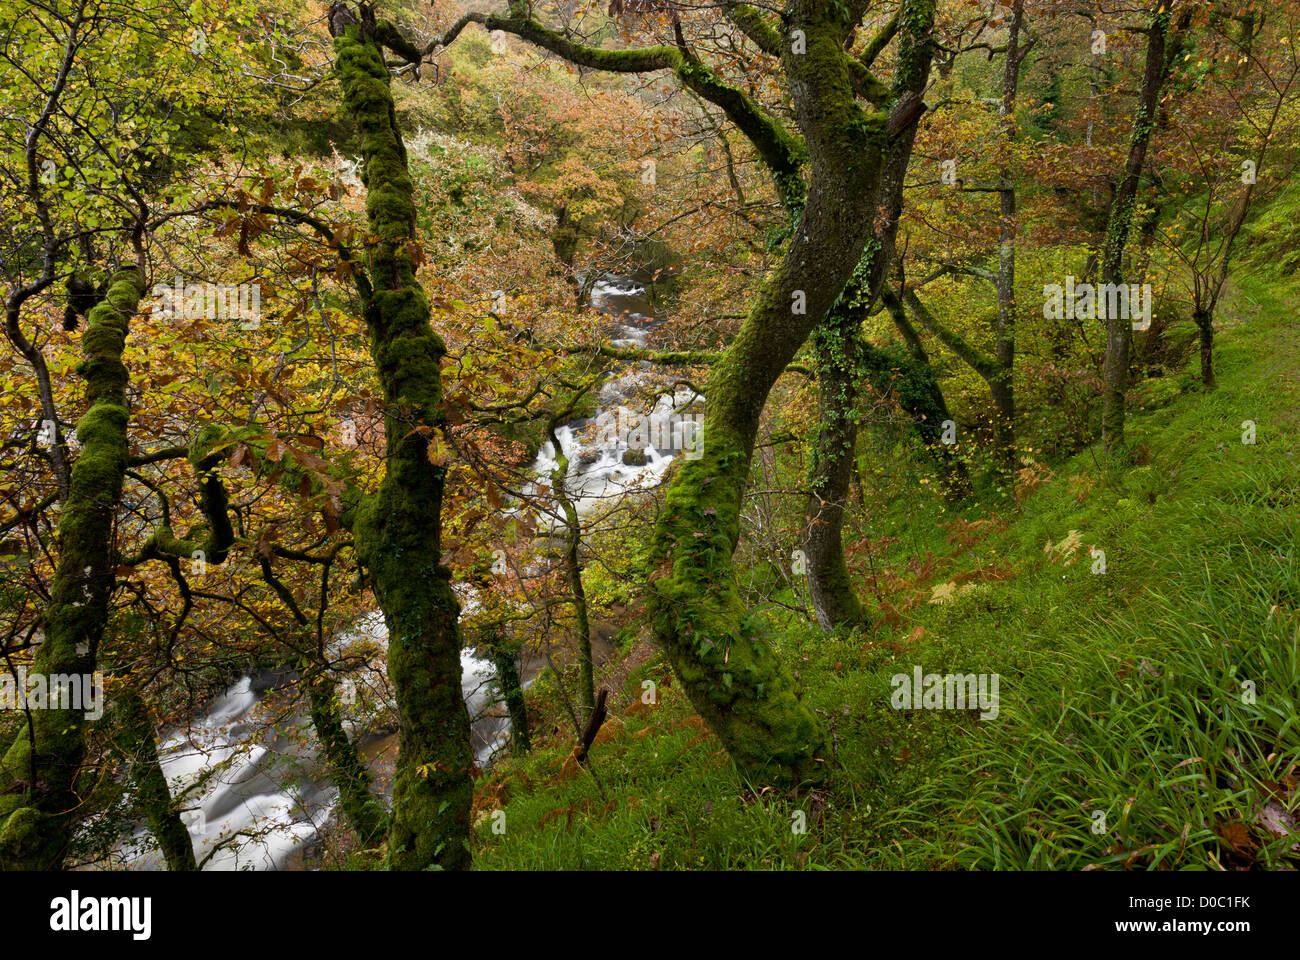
x=266, y=542
x=1278, y=821
x=275, y=450
x=331, y=521
x=1236, y=837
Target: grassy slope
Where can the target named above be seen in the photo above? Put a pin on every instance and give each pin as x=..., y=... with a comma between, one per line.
x=1120, y=693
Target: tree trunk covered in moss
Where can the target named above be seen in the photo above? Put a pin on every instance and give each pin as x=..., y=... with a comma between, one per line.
x=843, y=360
x=1002, y=387
x=728, y=669
x=1119, y=329
x=135, y=739
x=727, y=666
x=564, y=241
x=573, y=569
x=363, y=811
x=989, y=368
x=914, y=383
x=398, y=528
x=839, y=350
x=512, y=691
x=1207, y=293
x=39, y=771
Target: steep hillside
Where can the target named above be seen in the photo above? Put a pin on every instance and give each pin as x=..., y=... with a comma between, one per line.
x=1146, y=715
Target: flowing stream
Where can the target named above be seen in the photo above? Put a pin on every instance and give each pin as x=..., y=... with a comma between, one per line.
x=618, y=450
x=257, y=787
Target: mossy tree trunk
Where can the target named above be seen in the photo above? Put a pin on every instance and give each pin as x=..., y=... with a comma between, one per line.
x=363, y=810
x=564, y=241
x=38, y=775
x=1002, y=386
x=728, y=668
x=573, y=568
x=512, y=692
x=1119, y=330
x=839, y=350
x=135, y=739
x=398, y=528
x=915, y=385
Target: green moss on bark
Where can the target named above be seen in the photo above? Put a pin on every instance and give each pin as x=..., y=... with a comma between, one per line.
x=728, y=667
x=364, y=811
x=398, y=528
x=837, y=347
x=38, y=773
x=134, y=737
x=841, y=353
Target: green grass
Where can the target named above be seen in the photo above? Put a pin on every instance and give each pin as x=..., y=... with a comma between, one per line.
x=1124, y=694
